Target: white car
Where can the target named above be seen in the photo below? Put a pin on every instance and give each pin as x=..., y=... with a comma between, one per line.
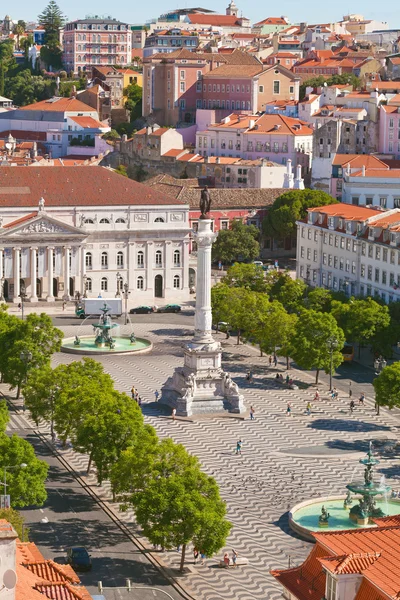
x=259, y=263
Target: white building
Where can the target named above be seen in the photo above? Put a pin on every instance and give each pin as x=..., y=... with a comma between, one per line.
x=62, y=227
x=351, y=248
x=372, y=187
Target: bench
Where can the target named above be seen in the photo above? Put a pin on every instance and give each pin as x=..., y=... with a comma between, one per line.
x=241, y=561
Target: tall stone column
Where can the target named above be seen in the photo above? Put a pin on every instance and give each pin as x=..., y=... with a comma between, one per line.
x=50, y=273
x=33, y=297
x=17, y=279
x=67, y=251
x=201, y=386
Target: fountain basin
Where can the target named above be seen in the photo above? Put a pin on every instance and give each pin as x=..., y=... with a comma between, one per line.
x=303, y=518
x=123, y=345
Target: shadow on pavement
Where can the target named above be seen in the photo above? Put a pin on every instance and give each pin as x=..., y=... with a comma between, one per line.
x=346, y=425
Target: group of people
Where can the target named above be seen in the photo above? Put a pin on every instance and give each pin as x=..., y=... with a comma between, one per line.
x=288, y=380
x=135, y=396
x=233, y=558
x=273, y=359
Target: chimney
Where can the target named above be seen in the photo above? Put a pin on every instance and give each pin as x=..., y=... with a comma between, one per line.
x=298, y=182
x=251, y=123
x=288, y=176
x=8, y=545
x=363, y=171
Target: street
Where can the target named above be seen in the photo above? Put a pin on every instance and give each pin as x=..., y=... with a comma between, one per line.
x=74, y=519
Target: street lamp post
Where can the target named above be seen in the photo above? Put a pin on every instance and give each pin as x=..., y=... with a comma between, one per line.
x=379, y=364
x=332, y=345
x=119, y=279
x=8, y=468
x=26, y=357
x=22, y=296
x=126, y=296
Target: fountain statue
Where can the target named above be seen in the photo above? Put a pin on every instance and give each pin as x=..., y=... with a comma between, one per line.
x=102, y=329
x=348, y=501
x=323, y=520
x=364, y=512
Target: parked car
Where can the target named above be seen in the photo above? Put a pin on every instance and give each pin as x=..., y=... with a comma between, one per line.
x=169, y=308
x=141, y=310
x=79, y=558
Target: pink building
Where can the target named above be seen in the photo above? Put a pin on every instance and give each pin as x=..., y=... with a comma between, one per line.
x=389, y=127
x=89, y=42
x=273, y=137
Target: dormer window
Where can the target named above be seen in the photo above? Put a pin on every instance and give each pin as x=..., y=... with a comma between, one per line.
x=320, y=218
x=310, y=217
x=393, y=239
x=359, y=228
x=331, y=587
x=371, y=233
x=349, y=227
x=340, y=223
x=331, y=222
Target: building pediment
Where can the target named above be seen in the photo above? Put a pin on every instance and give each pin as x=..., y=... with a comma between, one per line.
x=40, y=225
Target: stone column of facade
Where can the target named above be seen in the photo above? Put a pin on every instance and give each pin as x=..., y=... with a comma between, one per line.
x=67, y=250
x=131, y=266
x=83, y=269
x=149, y=267
x=16, y=275
x=201, y=386
x=168, y=250
x=50, y=272
x=33, y=297
x=185, y=264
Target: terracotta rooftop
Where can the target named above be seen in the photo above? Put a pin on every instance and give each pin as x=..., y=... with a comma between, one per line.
x=233, y=71
x=216, y=20
x=88, y=122
x=158, y=132
x=349, y=563
x=346, y=211
x=378, y=173
x=51, y=571
x=358, y=160
x=59, y=105
x=272, y=21
x=32, y=136
x=97, y=186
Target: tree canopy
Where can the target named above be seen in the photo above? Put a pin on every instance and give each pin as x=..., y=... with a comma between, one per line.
x=288, y=208
x=387, y=386
x=239, y=243
x=246, y=275
x=133, y=103
x=320, y=81
x=52, y=19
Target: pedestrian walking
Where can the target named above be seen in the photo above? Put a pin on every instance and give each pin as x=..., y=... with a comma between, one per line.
x=173, y=414
x=19, y=306
x=316, y=396
x=275, y=360
x=287, y=379
x=234, y=557
x=352, y=405
x=308, y=408
x=133, y=392
x=228, y=335
x=195, y=555
x=239, y=447
x=270, y=361
x=156, y=394
x=252, y=411
x=361, y=399
x=350, y=390
x=226, y=559
x=288, y=409
x=203, y=557
x=140, y=401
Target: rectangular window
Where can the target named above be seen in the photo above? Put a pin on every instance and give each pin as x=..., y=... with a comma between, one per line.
x=348, y=266
x=342, y=243
x=315, y=236
x=335, y=262
x=392, y=257
x=353, y=267
x=362, y=271
x=384, y=278
x=302, y=251
x=370, y=251
x=325, y=238
x=182, y=86
x=330, y=239
x=377, y=253
x=369, y=273
x=324, y=258
x=348, y=245
x=308, y=253
x=277, y=85
x=341, y=264
x=376, y=275
x=309, y=234
x=329, y=260
x=336, y=241
x=369, y=201
x=183, y=74
x=384, y=255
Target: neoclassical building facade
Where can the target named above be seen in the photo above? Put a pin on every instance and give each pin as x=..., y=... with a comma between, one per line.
x=67, y=229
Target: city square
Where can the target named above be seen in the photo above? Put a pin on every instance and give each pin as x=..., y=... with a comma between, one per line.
x=285, y=459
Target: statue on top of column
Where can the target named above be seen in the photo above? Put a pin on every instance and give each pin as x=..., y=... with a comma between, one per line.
x=41, y=204
x=205, y=203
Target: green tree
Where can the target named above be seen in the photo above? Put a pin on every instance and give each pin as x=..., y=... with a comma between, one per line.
x=113, y=424
x=310, y=342
x=4, y=416
x=239, y=243
x=179, y=504
x=280, y=221
x=41, y=393
x=52, y=19
x=289, y=292
x=387, y=386
x=277, y=329
x=17, y=521
x=320, y=81
x=25, y=485
x=18, y=30
x=133, y=102
x=361, y=320
x=25, y=88
x=249, y=276
x=121, y=170
x=319, y=299
x=111, y=135
x=219, y=304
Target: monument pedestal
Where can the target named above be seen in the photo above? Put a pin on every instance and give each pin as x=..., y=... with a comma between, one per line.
x=201, y=386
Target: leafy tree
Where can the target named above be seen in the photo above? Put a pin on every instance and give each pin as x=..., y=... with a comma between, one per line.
x=25, y=485
x=26, y=43
x=361, y=320
x=249, y=276
x=280, y=221
x=121, y=170
x=320, y=81
x=18, y=30
x=179, y=504
x=219, y=304
x=41, y=393
x=239, y=243
x=4, y=416
x=289, y=292
x=111, y=135
x=133, y=102
x=25, y=88
x=17, y=521
x=52, y=19
x=310, y=342
x=387, y=386
x=67, y=85
x=113, y=424
x=319, y=299
x=277, y=329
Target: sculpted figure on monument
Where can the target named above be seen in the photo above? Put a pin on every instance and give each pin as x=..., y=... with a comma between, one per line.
x=205, y=203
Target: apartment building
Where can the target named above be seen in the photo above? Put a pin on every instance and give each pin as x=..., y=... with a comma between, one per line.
x=88, y=42
x=351, y=248
x=372, y=187
x=389, y=127
x=168, y=40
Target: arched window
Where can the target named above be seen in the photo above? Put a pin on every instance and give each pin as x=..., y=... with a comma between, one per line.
x=84, y=37
x=194, y=246
x=140, y=283
x=88, y=260
x=140, y=259
x=89, y=221
x=120, y=221
x=88, y=284
x=177, y=258
x=79, y=58
x=177, y=282
x=159, y=220
x=104, y=221
x=104, y=284
x=104, y=260
x=120, y=259
x=158, y=258
x=79, y=47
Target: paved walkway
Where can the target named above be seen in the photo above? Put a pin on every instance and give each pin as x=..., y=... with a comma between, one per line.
x=285, y=459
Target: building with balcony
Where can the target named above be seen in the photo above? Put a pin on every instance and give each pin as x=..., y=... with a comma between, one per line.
x=168, y=40
x=88, y=42
x=389, y=127
x=349, y=248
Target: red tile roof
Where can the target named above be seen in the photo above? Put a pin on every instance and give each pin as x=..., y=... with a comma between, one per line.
x=63, y=591
x=51, y=571
x=272, y=21
x=378, y=173
x=358, y=160
x=346, y=211
x=157, y=132
x=59, y=105
x=349, y=563
x=21, y=220
x=233, y=71
x=88, y=122
x=216, y=20
x=32, y=136
x=97, y=186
